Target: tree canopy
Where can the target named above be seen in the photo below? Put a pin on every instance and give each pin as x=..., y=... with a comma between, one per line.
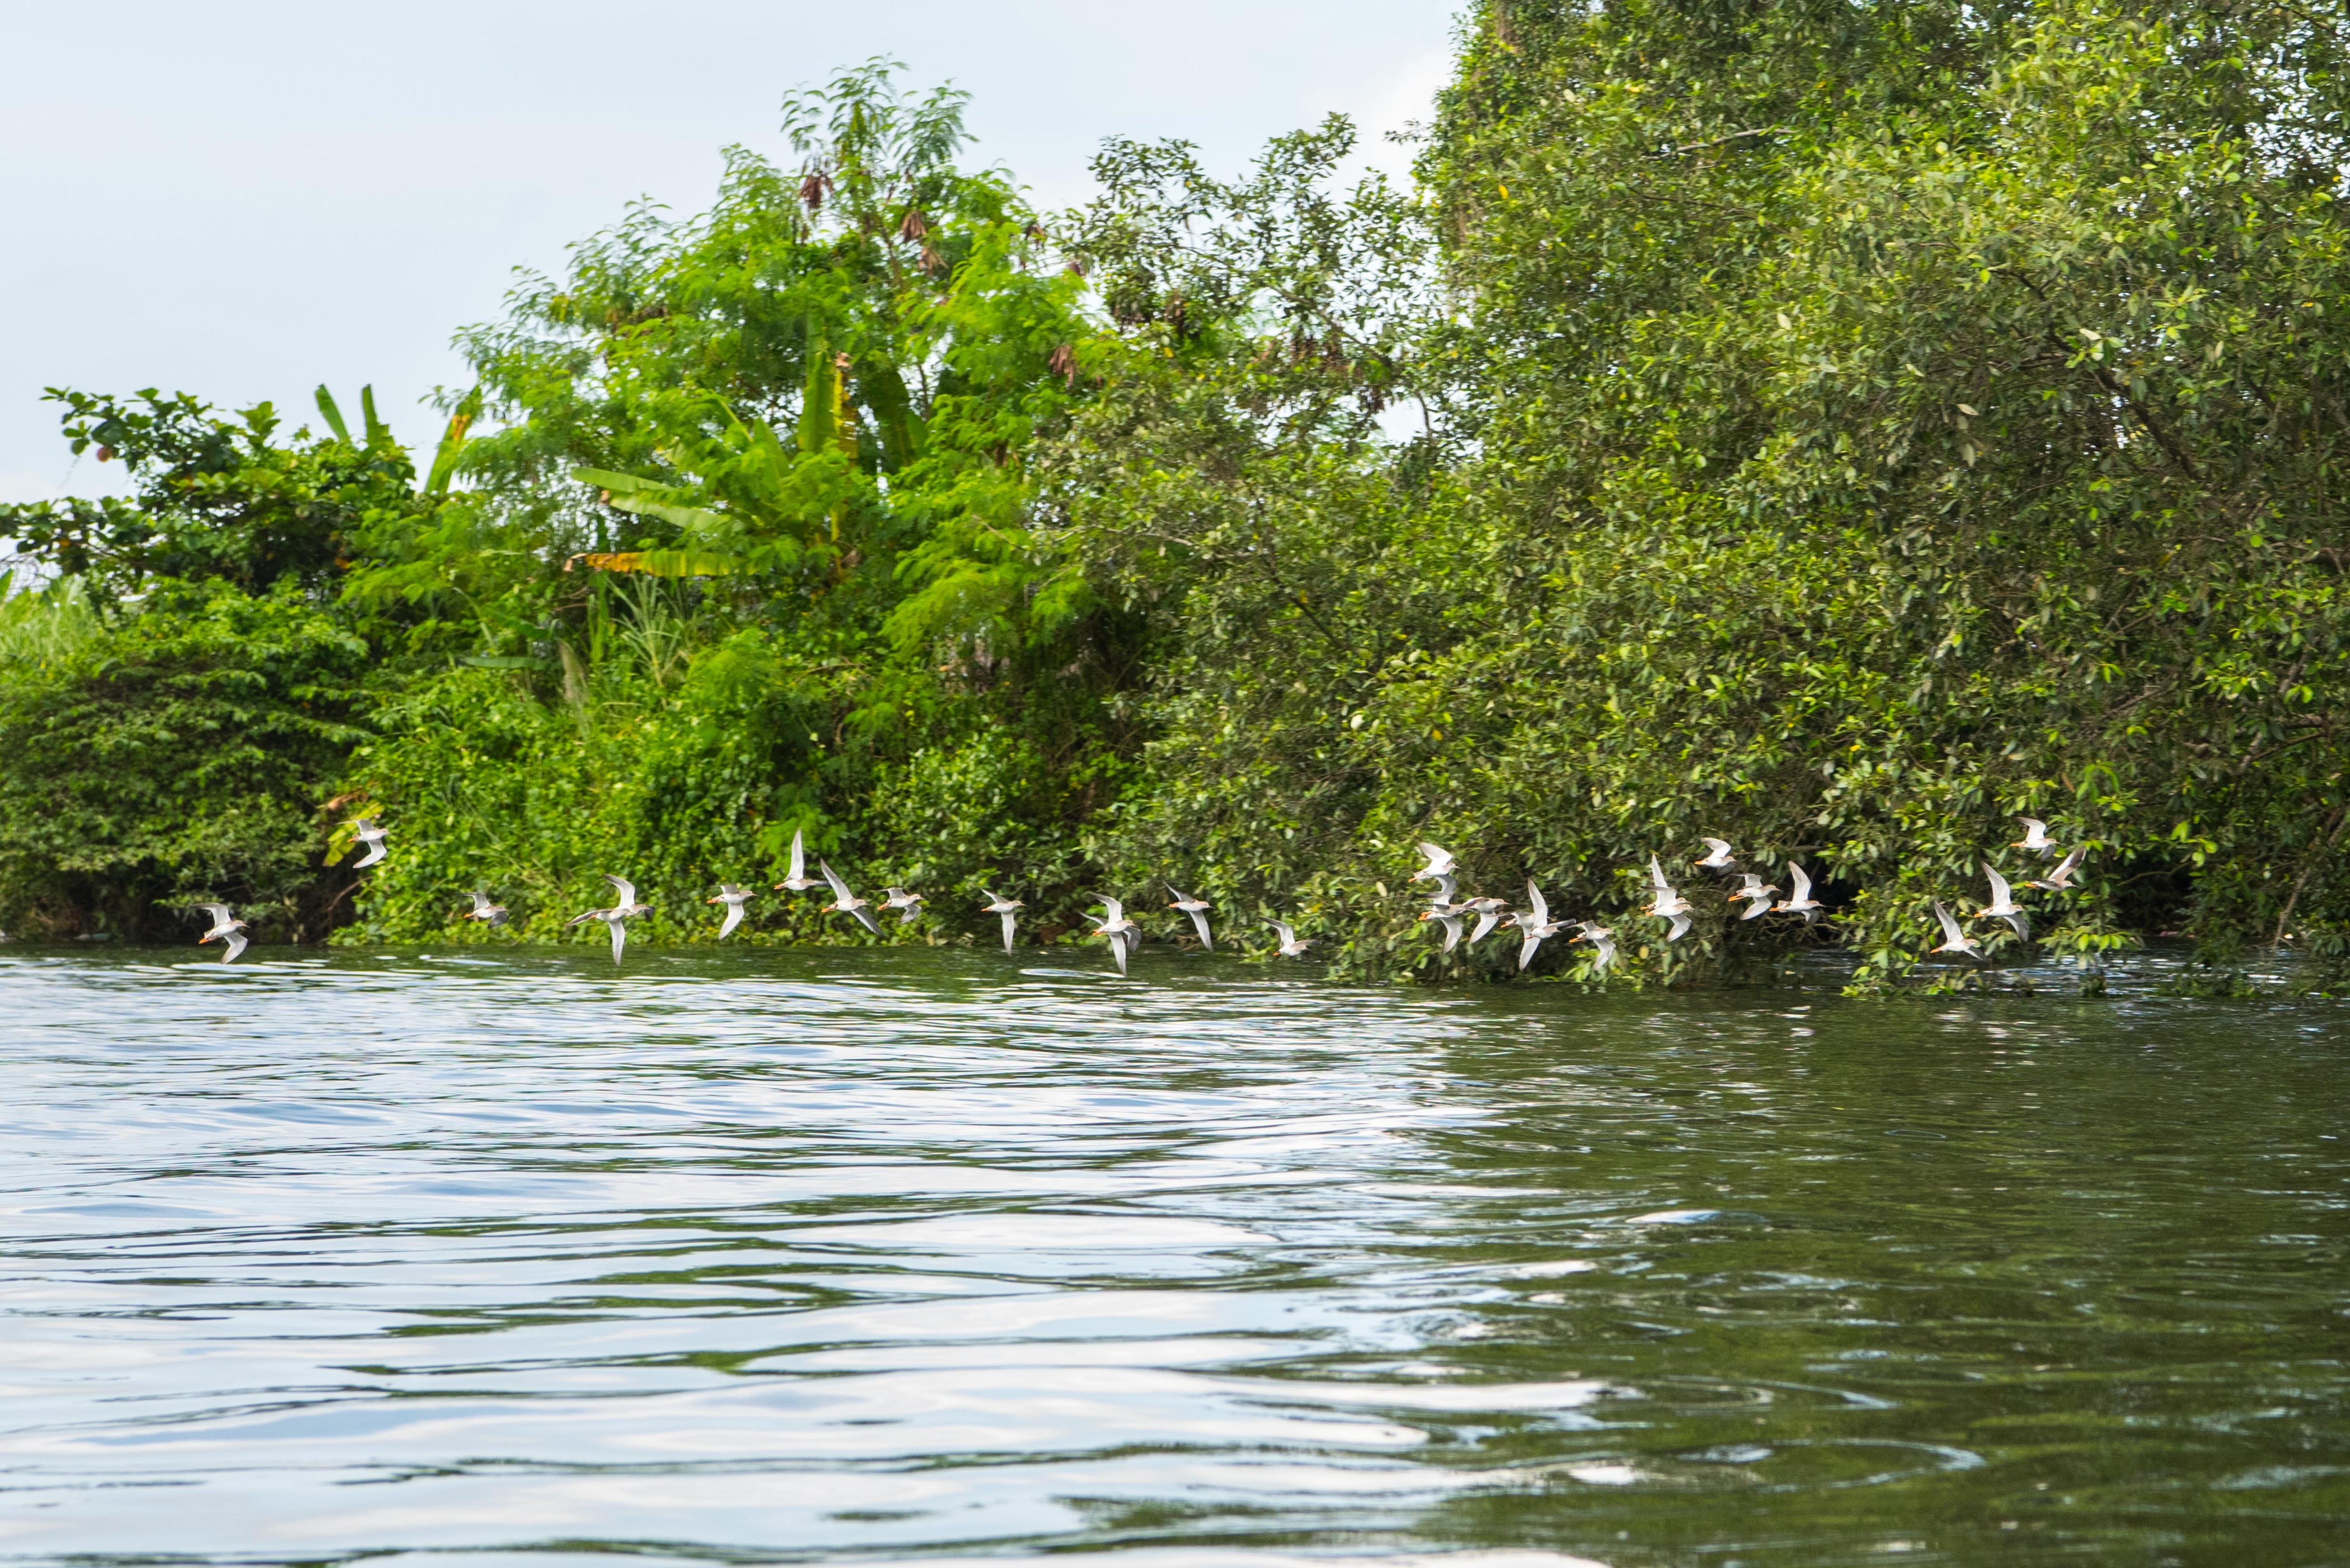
x=1838, y=428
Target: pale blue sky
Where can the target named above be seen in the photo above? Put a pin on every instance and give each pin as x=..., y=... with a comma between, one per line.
x=242, y=200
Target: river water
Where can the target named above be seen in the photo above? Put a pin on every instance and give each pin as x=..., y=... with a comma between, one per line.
x=907, y=1254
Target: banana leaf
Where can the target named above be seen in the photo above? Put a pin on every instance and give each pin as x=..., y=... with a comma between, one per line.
x=378, y=433
x=332, y=415
x=665, y=562
x=453, y=441
x=668, y=512
x=618, y=483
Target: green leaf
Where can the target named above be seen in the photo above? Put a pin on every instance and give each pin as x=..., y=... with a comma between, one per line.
x=331, y=414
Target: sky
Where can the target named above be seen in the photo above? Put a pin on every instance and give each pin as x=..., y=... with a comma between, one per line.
x=243, y=200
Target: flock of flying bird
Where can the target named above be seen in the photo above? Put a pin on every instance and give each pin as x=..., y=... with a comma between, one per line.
x=1668, y=904
x=1447, y=907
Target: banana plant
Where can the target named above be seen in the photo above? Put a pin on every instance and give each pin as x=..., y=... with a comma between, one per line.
x=379, y=434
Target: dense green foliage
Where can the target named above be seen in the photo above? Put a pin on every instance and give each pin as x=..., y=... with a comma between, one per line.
x=183, y=754
x=1871, y=422
x=1835, y=428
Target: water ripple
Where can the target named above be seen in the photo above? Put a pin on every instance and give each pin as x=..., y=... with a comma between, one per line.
x=898, y=1257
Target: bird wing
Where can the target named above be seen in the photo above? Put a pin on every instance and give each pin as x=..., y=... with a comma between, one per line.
x=1009, y=919
x=590, y=915
x=622, y=885
x=1199, y=924
x=1803, y=882
x=864, y=918
x=733, y=918
x=1448, y=887
x=2022, y=923
x=840, y=893
x=1117, y=949
x=799, y=858
x=221, y=913
x=481, y=905
x=1721, y=849
x=1757, y=907
x=2038, y=828
x=2070, y=864
x=1288, y=936
x=619, y=938
x=1526, y=949
x=1440, y=859
x=1485, y=922
x=1999, y=894
x=1951, y=932
x=1451, y=924
x=1657, y=876
x=1116, y=910
x=1542, y=911
x=236, y=944
x=1680, y=928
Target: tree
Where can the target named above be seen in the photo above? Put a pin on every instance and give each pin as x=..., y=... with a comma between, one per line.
x=762, y=512
x=1866, y=423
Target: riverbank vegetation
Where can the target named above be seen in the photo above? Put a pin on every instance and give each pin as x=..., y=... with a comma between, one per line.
x=1837, y=429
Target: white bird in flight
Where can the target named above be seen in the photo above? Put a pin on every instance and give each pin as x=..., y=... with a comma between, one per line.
x=1602, y=939
x=1124, y=935
x=1198, y=909
x=1441, y=862
x=1718, y=856
x=1802, y=903
x=1489, y=913
x=226, y=928
x=1954, y=940
x=368, y=834
x=1535, y=925
x=796, y=878
x=908, y=905
x=1669, y=905
x=1449, y=918
x=846, y=902
x=484, y=910
x=619, y=915
x=2060, y=880
x=2036, y=836
x=1292, y=944
x=732, y=897
x=2004, y=907
x=997, y=904
x=1757, y=894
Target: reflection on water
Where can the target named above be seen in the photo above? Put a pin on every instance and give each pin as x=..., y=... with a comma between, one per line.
x=904, y=1255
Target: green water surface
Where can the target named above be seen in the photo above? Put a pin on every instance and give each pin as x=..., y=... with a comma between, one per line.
x=909, y=1255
